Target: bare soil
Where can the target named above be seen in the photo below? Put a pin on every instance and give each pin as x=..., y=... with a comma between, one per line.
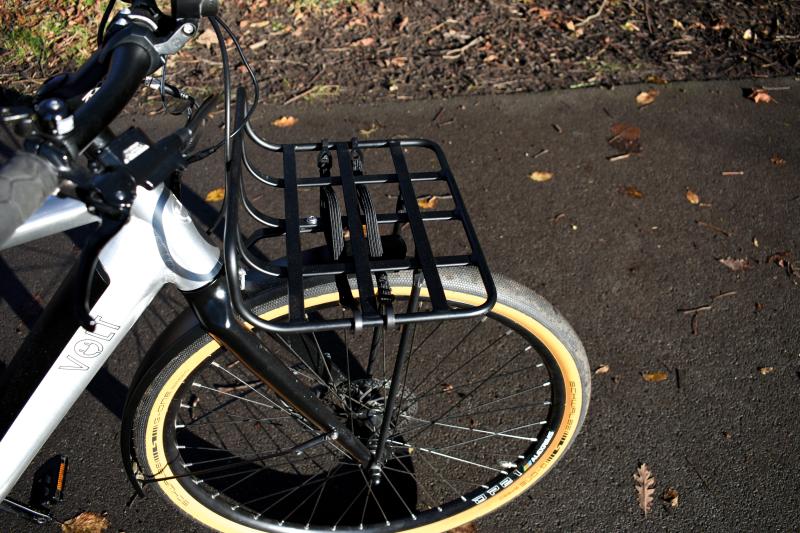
x=411, y=49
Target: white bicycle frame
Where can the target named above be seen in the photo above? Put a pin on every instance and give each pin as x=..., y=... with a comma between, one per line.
x=160, y=244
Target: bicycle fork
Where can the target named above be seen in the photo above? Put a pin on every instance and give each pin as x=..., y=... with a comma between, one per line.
x=212, y=306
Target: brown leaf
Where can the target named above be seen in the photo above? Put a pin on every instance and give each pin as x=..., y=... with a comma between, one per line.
x=646, y=98
x=402, y=24
x=602, y=369
x=541, y=176
x=285, y=122
x=208, y=38
x=655, y=377
x=761, y=96
x=670, y=496
x=215, y=195
x=692, y=196
x=656, y=79
x=399, y=61
x=644, y=486
x=737, y=265
x=777, y=160
x=784, y=260
x=428, y=202
x=366, y=41
x=86, y=523
x=632, y=191
x=625, y=138
x=766, y=370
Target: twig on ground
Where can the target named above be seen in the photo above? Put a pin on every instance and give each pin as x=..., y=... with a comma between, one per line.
x=593, y=16
x=712, y=227
x=648, y=17
x=310, y=87
x=695, y=311
x=455, y=53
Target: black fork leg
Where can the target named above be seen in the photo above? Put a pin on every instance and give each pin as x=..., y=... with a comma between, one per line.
x=212, y=306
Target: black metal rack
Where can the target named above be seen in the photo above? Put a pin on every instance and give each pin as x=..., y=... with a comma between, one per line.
x=369, y=253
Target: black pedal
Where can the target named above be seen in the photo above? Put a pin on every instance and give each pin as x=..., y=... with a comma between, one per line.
x=48, y=483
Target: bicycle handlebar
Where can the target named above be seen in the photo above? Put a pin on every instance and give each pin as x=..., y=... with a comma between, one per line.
x=128, y=66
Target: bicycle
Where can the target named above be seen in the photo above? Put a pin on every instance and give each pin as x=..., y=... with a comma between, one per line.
x=370, y=382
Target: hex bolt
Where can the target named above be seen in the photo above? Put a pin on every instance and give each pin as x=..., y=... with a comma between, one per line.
x=188, y=29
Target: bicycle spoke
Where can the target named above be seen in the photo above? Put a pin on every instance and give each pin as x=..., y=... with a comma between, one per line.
x=470, y=405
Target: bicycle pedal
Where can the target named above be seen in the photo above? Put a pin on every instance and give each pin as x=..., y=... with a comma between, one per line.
x=48, y=483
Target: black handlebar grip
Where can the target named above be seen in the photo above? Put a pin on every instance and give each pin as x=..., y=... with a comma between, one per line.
x=26, y=180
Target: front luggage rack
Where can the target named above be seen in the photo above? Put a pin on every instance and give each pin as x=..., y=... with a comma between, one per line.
x=358, y=260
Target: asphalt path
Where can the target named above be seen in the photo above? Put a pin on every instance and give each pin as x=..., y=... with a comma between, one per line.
x=619, y=267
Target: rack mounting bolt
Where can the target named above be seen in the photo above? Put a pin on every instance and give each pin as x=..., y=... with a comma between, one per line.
x=188, y=29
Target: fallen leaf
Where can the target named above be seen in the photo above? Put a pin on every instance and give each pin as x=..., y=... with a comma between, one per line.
x=656, y=79
x=777, y=160
x=755, y=242
x=541, y=176
x=215, y=195
x=428, y=202
x=86, y=523
x=646, y=98
x=285, y=122
x=645, y=487
x=631, y=26
x=655, y=377
x=399, y=61
x=737, y=265
x=570, y=25
x=761, y=96
x=447, y=387
x=670, y=496
x=784, y=260
x=677, y=24
x=602, y=369
x=366, y=132
x=402, y=24
x=208, y=38
x=632, y=191
x=747, y=35
x=766, y=370
x=693, y=197
x=625, y=138
x=366, y=41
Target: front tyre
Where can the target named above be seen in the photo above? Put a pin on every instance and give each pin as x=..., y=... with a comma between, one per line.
x=486, y=408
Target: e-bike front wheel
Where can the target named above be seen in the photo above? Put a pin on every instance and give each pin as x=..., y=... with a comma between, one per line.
x=485, y=408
